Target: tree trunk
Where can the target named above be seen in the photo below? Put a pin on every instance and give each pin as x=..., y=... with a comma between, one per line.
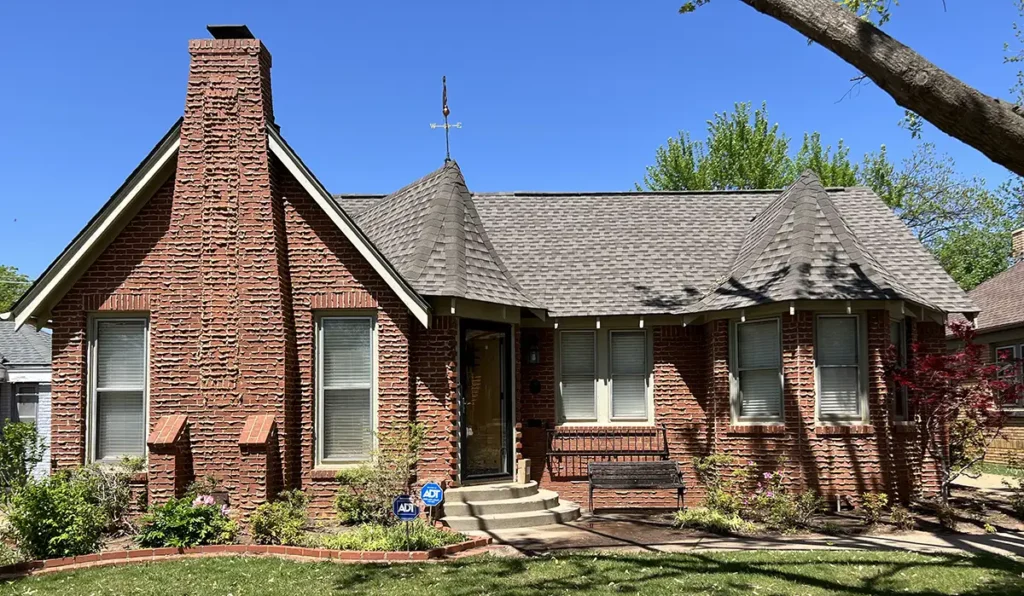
x=992, y=126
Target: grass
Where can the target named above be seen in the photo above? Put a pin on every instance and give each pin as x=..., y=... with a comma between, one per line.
x=746, y=573
x=1002, y=470
x=417, y=535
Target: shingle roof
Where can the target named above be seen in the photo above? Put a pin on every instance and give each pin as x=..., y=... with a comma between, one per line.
x=24, y=347
x=1001, y=300
x=432, y=234
x=603, y=254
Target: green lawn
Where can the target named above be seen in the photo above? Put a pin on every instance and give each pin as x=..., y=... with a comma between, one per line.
x=999, y=469
x=747, y=573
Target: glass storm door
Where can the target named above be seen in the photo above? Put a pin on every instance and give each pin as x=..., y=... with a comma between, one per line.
x=486, y=405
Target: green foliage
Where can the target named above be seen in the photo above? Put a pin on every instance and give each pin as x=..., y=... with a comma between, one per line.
x=1016, y=55
x=901, y=518
x=9, y=555
x=21, y=449
x=874, y=505
x=712, y=520
x=773, y=506
x=721, y=488
x=834, y=169
x=389, y=537
x=113, y=490
x=281, y=521
x=182, y=523
x=12, y=286
x=206, y=485
x=58, y=516
x=366, y=491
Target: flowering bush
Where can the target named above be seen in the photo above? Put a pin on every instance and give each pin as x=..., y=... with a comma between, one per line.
x=181, y=522
x=772, y=505
x=721, y=487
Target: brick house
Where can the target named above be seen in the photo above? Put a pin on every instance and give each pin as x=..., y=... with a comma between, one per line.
x=225, y=315
x=1000, y=328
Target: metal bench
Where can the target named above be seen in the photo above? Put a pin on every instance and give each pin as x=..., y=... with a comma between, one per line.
x=635, y=474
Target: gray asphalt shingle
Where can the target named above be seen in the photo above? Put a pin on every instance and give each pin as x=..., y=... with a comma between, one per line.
x=24, y=347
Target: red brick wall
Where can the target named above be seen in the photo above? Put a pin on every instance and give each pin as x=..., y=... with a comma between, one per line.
x=692, y=400
x=1008, y=447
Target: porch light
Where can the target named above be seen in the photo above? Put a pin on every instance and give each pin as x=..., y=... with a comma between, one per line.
x=533, y=353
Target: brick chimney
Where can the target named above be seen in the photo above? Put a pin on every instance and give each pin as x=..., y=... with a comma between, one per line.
x=1017, y=252
x=235, y=318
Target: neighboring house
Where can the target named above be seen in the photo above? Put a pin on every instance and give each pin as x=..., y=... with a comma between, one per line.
x=25, y=380
x=223, y=314
x=1000, y=327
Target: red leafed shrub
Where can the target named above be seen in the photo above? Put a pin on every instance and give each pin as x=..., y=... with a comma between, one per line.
x=959, y=401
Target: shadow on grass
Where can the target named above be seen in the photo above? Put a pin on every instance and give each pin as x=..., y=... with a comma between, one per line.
x=840, y=573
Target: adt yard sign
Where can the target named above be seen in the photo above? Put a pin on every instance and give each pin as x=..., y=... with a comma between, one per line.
x=404, y=509
x=431, y=494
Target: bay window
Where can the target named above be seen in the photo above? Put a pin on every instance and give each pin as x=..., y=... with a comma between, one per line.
x=117, y=411
x=838, y=369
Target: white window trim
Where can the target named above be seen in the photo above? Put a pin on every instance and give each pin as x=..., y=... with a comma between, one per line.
x=734, y=377
x=602, y=379
x=321, y=462
x=862, y=375
x=90, y=426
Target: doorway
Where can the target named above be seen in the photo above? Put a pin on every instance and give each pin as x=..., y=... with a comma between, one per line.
x=486, y=405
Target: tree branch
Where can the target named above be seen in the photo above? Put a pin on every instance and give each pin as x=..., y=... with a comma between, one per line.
x=988, y=124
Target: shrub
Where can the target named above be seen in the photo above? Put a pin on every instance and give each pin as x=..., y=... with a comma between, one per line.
x=58, y=516
x=772, y=505
x=901, y=518
x=206, y=485
x=113, y=490
x=9, y=555
x=366, y=491
x=180, y=522
x=389, y=537
x=282, y=521
x=21, y=449
x=711, y=520
x=1016, y=496
x=874, y=505
x=722, y=488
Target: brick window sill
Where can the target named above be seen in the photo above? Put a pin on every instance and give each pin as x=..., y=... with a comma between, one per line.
x=756, y=429
x=324, y=474
x=139, y=478
x=852, y=429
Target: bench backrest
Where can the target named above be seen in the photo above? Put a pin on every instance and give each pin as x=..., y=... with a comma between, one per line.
x=652, y=474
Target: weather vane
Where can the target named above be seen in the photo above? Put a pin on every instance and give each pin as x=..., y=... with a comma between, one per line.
x=445, y=126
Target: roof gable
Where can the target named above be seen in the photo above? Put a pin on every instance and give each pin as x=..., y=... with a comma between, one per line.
x=1001, y=300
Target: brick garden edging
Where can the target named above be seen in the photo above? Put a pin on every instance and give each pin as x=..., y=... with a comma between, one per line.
x=143, y=555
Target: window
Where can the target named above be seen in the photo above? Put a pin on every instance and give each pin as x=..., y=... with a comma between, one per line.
x=577, y=387
x=899, y=337
x=26, y=401
x=604, y=376
x=118, y=404
x=757, y=380
x=1012, y=369
x=837, y=360
x=345, y=400
x=628, y=366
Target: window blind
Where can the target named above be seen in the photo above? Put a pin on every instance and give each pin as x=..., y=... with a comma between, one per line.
x=898, y=339
x=836, y=354
x=578, y=373
x=759, y=362
x=628, y=374
x=346, y=386
x=120, y=389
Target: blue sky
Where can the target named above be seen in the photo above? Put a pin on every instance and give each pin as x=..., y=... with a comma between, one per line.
x=552, y=95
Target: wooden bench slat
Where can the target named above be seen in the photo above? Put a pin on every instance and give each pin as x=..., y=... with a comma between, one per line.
x=630, y=475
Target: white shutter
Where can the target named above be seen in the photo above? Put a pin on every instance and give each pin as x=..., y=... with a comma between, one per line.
x=758, y=355
x=836, y=354
x=120, y=388
x=346, y=388
x=578, y=371
x=628, y=374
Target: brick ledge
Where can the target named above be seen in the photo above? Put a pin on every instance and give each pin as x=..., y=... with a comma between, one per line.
x=756, y=429
x=853, y=429
x=173, y=553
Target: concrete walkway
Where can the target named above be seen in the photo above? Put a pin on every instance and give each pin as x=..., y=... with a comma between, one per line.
x=639, y=534
x=992, y=483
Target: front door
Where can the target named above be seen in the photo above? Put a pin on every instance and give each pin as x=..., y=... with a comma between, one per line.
x=486, y=399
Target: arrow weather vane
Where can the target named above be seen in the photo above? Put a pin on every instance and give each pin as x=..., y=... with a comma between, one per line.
x=445, y=126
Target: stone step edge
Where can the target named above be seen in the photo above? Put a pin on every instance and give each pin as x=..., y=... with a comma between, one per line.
x=541, y=497
x=563, y=507
x=473, y=492
x=171, y=553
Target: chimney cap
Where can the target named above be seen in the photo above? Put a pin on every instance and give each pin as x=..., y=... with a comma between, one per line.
x=230, y=32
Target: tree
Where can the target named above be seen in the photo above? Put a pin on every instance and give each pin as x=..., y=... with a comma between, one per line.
x=960, y=402
x=992, y=126
x=742, y=150
x=12, y=286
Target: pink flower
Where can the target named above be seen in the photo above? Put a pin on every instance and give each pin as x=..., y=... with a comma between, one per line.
x=750, y=462
x=768, y=475
x=769, y=494
x=202, y=500
x=225, y=510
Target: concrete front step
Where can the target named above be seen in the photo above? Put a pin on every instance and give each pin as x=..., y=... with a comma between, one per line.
x=544, y=499
x=490, y=492
x=566, y=512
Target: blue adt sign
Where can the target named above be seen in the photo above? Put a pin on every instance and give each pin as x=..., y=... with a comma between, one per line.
x=431, y=494
x=404, y=509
